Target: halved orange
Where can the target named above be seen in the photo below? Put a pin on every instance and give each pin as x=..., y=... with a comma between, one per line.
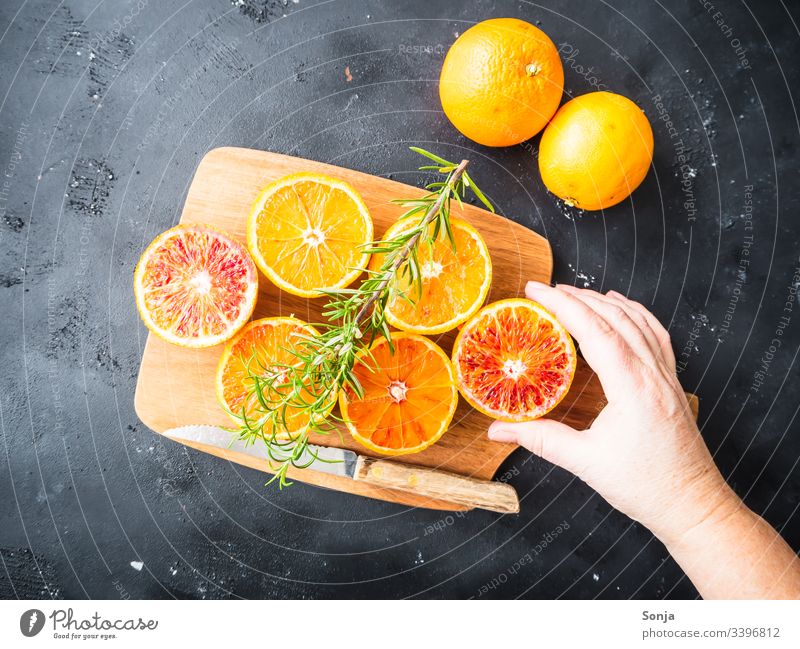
x=195, y=286
x=306, y=232
x=265, y=349
x=454, y=284
x=514, y=361
x=409, y=396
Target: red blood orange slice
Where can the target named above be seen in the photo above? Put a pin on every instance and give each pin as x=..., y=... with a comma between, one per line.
x=514, y=361
x=195, y=286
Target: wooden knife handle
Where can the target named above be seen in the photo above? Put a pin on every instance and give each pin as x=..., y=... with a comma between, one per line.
x=442, y=485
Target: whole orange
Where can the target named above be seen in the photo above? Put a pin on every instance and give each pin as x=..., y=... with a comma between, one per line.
x=596, y=150
x=501, y=82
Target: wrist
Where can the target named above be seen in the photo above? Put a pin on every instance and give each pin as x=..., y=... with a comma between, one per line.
x=704, y=503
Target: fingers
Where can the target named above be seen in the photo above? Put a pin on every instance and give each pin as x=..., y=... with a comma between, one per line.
x=602, y=347
x=547, y=438
x=630, y=324
x=637, y=326
x=661, y=334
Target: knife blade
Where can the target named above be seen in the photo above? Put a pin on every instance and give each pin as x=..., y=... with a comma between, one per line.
x=335, y=461
x=433, y=483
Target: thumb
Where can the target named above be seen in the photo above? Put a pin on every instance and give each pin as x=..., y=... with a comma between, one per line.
x=549, y=439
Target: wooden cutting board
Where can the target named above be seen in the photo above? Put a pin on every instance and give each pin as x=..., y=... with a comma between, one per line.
x=176, y=385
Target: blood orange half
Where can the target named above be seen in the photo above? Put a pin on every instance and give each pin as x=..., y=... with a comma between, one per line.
x=409, y=396
x=514, y=361
x=195, y=286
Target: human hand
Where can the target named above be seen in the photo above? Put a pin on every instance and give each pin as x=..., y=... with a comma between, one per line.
x=643, y=453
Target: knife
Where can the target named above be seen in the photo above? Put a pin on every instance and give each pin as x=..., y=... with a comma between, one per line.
x=432, y=483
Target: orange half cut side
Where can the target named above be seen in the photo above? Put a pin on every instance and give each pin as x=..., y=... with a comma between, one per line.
x=409, y=396
x=307, y=233
x=514, y=361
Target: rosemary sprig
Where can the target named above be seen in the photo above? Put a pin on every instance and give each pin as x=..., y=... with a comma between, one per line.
x=307, y=389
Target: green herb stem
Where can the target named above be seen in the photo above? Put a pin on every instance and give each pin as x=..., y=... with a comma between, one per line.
x=355, y=318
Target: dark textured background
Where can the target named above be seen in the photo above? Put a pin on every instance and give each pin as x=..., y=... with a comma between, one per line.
x=106, y=109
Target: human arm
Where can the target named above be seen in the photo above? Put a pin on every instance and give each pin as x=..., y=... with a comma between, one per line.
x=645, y=455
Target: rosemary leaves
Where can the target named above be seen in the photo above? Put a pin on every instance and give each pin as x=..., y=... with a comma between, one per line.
x=354, y=318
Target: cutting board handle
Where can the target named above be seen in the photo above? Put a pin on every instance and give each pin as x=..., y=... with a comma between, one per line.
x=442, y=485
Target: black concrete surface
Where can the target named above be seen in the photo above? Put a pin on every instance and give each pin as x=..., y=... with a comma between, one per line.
x=106, y=109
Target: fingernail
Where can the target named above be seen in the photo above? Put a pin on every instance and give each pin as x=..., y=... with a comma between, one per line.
x=499, y=434
x=535, y=287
